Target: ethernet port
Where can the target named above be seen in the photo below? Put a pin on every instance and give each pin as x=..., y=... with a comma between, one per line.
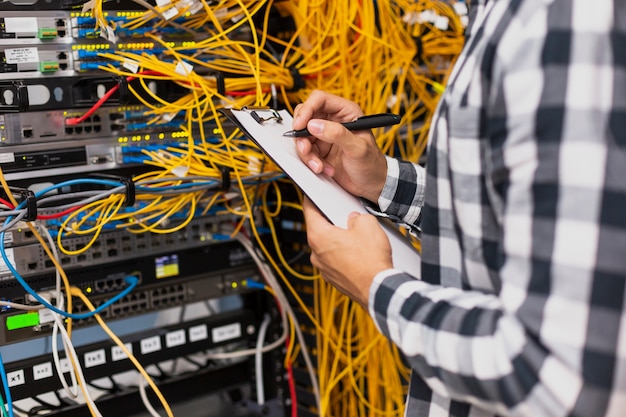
x=112, y=252
x=87, y=129
x=78, y=130
x=97, y=128
x=69, y=130
x=32, y=266
x=27, y=132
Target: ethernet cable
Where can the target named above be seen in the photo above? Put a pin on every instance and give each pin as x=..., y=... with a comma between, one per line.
x=5, y=384
x=130, y=280
x=258, y=359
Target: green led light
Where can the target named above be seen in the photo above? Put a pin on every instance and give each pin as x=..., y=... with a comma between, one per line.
x=21, y=321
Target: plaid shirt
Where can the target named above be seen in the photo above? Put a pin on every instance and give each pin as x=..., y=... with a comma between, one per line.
x=521, y=308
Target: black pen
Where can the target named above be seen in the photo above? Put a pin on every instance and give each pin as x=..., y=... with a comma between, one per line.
x=362, y=123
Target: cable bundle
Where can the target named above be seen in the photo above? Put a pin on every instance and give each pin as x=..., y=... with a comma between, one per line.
x=386, y=55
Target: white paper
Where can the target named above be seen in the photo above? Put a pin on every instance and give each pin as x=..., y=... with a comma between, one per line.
x=335, y=202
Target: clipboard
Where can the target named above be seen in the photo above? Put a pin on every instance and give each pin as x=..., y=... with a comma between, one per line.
x=265, y=127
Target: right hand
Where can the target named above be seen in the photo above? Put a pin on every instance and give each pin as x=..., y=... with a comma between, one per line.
x=352, y=159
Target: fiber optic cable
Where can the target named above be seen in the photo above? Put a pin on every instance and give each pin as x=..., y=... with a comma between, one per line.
x=74, y=291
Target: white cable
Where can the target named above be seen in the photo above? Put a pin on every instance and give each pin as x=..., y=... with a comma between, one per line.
x=286, y=307
x=72, y=393
x=79, y=370
x=67, y=341
x=258, y=360
x=18, y=306
x=144, y=397
x=278, y=342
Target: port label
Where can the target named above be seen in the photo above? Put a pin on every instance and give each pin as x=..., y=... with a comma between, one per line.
x=16, y=378
x=228, y=332
x=7, y=158
x=21, y=55
x=117, y=354
x=42, y=371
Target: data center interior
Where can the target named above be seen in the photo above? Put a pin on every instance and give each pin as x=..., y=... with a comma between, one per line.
x=154, y=260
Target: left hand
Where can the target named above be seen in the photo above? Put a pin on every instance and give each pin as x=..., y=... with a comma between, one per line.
x=349, y=259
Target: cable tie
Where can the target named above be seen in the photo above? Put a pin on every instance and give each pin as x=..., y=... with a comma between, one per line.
x=31, y=202
x=298, y=80
x=129, y=185
x=225, y=178
x=123, y=91
x=220, y=82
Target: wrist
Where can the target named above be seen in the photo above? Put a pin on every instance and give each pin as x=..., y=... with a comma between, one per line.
x=378, y=181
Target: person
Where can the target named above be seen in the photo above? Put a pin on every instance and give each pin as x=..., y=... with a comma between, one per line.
x=519, y=308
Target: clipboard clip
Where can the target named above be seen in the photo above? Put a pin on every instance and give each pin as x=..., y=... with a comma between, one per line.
x=274, y=115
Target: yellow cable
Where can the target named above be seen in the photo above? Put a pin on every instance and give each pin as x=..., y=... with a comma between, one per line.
x=78, y=293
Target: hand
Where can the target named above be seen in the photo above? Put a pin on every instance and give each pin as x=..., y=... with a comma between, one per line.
x=349, y=259
x=352, y=158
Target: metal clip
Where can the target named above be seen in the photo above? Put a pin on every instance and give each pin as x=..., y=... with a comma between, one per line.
x=274, y=114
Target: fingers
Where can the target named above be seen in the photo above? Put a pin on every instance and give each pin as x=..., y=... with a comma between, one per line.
x=309, y=155
x=315, y=221
x=322, y=105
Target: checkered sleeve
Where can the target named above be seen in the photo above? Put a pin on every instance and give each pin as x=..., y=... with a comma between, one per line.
x=551, y=339
x=403, y=193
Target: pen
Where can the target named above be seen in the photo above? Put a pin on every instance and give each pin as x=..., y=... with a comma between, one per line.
x=362, y=123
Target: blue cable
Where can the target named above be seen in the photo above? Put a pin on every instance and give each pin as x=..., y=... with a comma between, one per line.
x=5, y=384
x=132, y=282
x=254, y=284
x=74, y=182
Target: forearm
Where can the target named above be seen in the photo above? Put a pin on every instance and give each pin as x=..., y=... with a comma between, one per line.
x=466, y=346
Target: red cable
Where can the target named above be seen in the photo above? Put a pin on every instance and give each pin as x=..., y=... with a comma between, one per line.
x=292, y=386
x=57, y=215
x=7, y=203
x=77, y=120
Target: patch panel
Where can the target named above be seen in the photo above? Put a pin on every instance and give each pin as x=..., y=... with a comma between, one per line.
x=109, y=125
x=31, y=260
x=147, y=297
x=200, y=231
x=37, y=375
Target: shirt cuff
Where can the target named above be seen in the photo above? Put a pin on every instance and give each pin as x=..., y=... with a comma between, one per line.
x=391, y=184
x=402, y=196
